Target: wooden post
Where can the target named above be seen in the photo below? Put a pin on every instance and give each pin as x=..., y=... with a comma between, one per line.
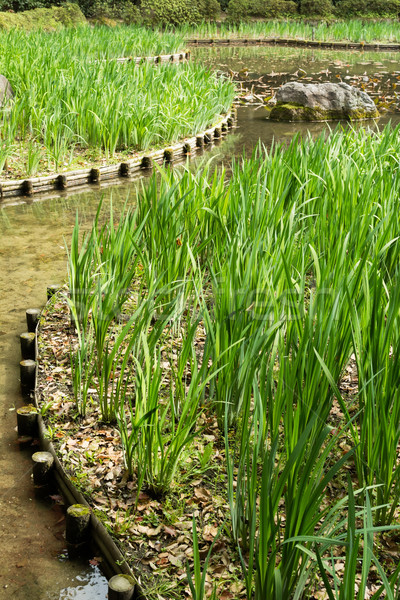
x=77, y=524
x=27, y=369
x=52, y=289
x=168, y=155
x=32, y=318
x=121, y=587
x=95, y=175
x=61, y=182
x=28, y=346
x=27, y=187
x=147, y=162
x=42, y=467
x=27, y=420
x=124, y=169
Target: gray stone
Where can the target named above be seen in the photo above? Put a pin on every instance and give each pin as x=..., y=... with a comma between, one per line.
x=296, y=101
x=6, y=91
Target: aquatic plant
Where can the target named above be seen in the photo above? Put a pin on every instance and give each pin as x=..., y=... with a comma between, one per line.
x=351, y=30
x=275, y=311
x=70, y=104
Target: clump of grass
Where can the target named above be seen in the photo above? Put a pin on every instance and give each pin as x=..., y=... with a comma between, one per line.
x=248, y=298
x=70, y=101
x=350, y=30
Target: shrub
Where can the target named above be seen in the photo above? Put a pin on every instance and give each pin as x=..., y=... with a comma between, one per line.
x=384, y=8
x=351, y=8
x=319, y=8
x=170, y=11
x=279, y=8
x=43, y=18
x=21, y=5
x=130, y=14
x=223, y=4
x=238, y=10
x=209, y=9
x=361, y=8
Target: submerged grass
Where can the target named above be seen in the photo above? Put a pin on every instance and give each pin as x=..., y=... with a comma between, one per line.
x=248, y=299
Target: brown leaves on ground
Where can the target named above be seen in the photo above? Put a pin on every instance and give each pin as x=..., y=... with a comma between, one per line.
x=155, y=535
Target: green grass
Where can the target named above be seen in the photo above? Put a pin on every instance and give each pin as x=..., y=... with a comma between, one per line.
x=45, y=19
x=85, y=43
x=352, y=30
x=70, y=106
x=250, y=297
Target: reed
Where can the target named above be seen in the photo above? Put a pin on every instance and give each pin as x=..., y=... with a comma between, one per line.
x=349, y=30
x=71, y=106
x=198, y=583
x=82, y=368
x=268, y=286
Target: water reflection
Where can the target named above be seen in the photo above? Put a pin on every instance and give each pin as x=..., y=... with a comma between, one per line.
x=262, y=60
x=253, y=127
x=90, y=586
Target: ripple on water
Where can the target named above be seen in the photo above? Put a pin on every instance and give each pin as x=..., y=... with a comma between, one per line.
x=89, y=586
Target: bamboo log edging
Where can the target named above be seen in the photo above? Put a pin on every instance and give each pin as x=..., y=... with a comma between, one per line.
x=160, y=58
x=378, y=47
x=96, y=175
x=114, y=563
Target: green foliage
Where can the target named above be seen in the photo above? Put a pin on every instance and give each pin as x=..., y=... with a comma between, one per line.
x=22, y=5
x=72, y=94
x=279, y=8
x=351, y=8
x=130, y=13
x=289, y=270
x=240, y=10
x=174, y=12
x=361, y=8
x=209, y=9
x=384, y=8
x=128, y=10
x=42, y=18
x=320, y=8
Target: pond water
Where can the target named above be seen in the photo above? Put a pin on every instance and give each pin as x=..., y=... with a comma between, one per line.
x=32, y=255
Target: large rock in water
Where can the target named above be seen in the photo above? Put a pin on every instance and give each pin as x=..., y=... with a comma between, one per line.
x=296, y=101
x=6, y=91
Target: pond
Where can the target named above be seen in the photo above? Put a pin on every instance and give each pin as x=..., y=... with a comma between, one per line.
x=32, y=255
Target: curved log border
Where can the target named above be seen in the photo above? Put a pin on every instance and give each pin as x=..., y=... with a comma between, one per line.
x=72, y=179
x=161, y=58
x=378, y=47
x=113, y=561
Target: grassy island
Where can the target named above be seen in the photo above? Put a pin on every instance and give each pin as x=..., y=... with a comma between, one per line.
x=75, y=105
x=228, y=394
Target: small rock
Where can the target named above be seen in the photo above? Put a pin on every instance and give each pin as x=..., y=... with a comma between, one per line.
x=6, y=91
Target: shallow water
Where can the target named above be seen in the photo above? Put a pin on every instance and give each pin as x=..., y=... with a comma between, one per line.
x=32, y=255
x=263, y=60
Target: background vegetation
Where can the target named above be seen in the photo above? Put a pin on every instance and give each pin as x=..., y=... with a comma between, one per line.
x=187, y=11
